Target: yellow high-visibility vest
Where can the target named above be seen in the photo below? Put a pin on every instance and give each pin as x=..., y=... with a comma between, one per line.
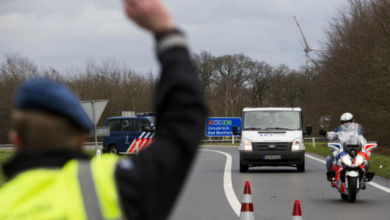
x=82, y=189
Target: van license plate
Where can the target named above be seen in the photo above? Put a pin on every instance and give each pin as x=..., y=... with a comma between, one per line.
x=272, y=157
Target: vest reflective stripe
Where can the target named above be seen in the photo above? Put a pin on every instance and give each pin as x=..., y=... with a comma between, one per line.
x=88, y=191
x=103, y=171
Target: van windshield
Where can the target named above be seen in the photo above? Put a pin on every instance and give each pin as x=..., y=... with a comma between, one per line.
x=270, y=120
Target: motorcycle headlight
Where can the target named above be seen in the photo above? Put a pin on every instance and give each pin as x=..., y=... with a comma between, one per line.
x=346, y=160
x=359, y=160
x=247, y=145
x=295, y=145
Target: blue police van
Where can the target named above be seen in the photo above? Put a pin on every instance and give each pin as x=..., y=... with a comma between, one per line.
x=129, y=135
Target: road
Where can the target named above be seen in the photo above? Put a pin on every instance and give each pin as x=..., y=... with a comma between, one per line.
x=274, y=190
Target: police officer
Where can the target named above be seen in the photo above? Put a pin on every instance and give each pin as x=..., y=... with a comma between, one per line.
x=51, y=178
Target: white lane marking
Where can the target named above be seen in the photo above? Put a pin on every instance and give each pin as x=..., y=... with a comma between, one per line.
x=227, y=183
x=311, y=157
x=371, y=183
x=379, y=186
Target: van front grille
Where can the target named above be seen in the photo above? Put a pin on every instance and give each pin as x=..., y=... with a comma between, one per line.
x=283, y=146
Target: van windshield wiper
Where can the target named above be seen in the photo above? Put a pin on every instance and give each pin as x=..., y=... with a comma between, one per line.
x=253, y=128
x=278, y=128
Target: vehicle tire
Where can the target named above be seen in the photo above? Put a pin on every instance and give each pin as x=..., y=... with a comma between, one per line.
x=344, y=197
x=243, y=168
x=301, y=167
x=352, y=189
x=113, y=150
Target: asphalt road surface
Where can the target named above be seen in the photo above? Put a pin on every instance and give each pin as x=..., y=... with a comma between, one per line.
x=274, y=190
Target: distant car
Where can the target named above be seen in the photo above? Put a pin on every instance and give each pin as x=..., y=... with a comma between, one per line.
x=129, y=135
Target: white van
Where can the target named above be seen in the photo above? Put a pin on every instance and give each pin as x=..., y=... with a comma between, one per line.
x=272, y=137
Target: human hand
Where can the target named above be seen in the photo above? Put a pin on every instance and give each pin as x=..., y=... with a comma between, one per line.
x=149, y=14
x=322, y=132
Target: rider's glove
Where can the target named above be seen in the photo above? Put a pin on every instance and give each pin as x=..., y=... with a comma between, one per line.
x=335, y=153
x=322, y=132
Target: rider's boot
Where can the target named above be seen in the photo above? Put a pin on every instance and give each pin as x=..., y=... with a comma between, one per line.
x=366, y=167
x=330, y=174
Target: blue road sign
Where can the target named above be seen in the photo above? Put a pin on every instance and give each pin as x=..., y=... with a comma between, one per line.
x=221, y=127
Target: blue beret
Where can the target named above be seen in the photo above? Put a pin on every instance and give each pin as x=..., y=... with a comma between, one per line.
x=52, y=97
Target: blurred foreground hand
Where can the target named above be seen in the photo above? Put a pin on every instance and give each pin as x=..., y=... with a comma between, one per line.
x=149, y=14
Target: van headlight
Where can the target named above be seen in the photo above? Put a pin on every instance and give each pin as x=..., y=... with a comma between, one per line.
x=295, y=145
x=346, y=160
x=247, y=145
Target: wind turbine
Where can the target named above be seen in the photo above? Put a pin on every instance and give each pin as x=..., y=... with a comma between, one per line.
x=308, y=49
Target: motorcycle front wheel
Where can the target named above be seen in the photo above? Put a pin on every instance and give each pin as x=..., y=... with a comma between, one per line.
x=352, y=189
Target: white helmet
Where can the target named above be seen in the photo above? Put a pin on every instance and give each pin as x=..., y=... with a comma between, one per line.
x=346, y=117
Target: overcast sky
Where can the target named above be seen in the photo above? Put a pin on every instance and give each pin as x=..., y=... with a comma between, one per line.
x=66, y=33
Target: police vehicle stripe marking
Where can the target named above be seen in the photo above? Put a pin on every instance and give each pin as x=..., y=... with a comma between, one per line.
x=148, y=142
x=137, y=141
x=143, y=141
x=128, y=149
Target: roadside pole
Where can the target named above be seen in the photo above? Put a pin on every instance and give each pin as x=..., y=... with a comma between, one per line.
x=94, y=128
x=232, y=139
x=314, y=142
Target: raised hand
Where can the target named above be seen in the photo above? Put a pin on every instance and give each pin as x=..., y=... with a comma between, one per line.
x=322, y=132
x=149, y=14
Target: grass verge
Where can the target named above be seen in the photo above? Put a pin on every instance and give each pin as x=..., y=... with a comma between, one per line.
x=376, y=160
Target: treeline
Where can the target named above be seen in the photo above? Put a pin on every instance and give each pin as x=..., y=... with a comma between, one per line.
x=123, y=87
x=229, y=82
x=353, y=76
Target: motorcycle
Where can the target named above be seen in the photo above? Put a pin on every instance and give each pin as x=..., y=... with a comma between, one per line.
x=349, y=169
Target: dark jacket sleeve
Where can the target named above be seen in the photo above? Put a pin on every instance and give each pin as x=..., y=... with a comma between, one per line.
x=149, y=186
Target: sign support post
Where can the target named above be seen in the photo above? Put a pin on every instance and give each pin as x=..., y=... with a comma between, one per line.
x=94, y=110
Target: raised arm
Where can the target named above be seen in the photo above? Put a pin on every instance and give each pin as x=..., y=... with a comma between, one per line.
x=150, y=183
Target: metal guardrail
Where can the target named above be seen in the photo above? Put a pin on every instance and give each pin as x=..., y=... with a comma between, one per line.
x=317, y=139
x=219, y=141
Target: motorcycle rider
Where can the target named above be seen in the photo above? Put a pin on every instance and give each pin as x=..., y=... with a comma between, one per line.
x=346, y=125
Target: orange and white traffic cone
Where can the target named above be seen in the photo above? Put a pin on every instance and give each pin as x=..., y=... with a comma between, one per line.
x=297, y=214
x=247, y=205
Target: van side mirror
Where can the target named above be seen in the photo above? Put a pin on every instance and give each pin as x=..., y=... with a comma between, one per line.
x=148, y=129
x=308, y=129
x=235, y=130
